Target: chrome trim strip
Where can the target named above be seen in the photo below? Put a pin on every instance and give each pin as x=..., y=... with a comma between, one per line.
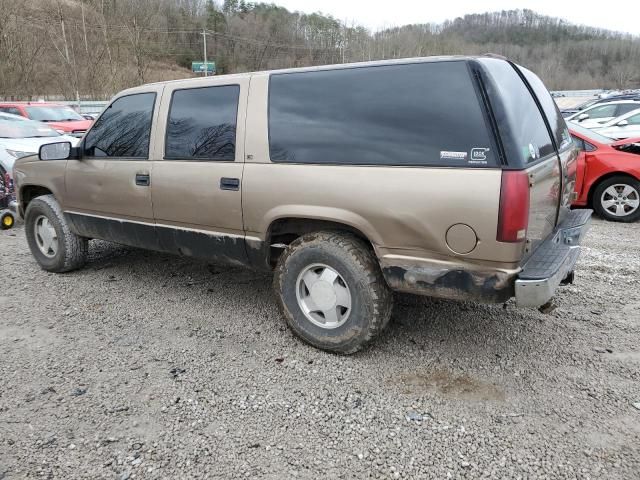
x=164, y=225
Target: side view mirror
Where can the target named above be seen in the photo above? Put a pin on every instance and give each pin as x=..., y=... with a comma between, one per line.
x=55, y=151
x=88, y=117
x=583, y=116
x=622, y=123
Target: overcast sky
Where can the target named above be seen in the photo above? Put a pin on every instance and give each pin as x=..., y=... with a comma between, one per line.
x=621, y=15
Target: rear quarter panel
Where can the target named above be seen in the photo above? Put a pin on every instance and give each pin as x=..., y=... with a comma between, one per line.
x=402, y=210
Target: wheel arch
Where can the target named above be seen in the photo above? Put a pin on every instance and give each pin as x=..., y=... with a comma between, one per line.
x=284, y=230
x=28, y=193
x=604, y=178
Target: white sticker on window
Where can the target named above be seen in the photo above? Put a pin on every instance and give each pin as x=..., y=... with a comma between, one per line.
x=479, y=156
x=448, y=155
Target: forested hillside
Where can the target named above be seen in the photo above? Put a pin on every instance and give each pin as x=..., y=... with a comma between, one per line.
x=93, y=48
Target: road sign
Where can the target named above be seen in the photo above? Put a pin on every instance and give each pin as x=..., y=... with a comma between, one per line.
x=200, y=67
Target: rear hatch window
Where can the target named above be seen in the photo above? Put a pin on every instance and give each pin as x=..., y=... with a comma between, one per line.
x=556, y=121
x=527, y=143
x=522, y=129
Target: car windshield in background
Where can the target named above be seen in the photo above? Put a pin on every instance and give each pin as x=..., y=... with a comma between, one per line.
x=53, y=114
x=25, y=129
x=590, y=134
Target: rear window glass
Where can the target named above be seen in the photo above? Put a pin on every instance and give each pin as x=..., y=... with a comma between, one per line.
x=202, y=123
x=411, y=114
x=520, y=119
x=554, y=117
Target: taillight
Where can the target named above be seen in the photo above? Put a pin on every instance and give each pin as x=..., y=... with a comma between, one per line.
x=513, y=217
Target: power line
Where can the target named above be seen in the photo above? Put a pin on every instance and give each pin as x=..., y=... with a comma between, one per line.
x=101, y=27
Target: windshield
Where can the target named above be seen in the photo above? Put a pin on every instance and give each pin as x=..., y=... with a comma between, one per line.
x=590, y=134
x=25, y=129
x=52, y=113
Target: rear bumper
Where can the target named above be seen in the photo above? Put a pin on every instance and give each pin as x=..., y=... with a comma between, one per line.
x=552, y=262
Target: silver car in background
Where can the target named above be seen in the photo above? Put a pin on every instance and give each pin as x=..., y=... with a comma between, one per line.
x=21, y=137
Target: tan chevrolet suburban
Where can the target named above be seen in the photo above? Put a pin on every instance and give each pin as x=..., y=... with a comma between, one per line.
x=446, y=176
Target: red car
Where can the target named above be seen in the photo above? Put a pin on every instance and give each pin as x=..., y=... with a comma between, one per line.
x=608, y=174
x=61, y=117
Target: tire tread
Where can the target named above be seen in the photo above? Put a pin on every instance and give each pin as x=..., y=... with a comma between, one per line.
x=74, y=247
x=369, y=271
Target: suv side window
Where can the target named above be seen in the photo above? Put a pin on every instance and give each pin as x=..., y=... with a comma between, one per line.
x=202, y=124
x=408, y=114
x=124, y=128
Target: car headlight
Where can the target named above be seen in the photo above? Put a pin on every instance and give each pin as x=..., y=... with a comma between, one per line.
x=61, y=132
x=19, y=154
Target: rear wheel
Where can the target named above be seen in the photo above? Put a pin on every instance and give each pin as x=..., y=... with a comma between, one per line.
x=54, y=246
x=331, y=291
x=618, y=199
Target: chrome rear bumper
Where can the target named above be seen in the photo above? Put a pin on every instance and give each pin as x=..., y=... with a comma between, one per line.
x=552, y=262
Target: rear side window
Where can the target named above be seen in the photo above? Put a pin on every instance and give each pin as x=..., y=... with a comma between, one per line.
x=554, y=117
x=517, y=114
x=626, y=108
x=11, y=110
x=202, y=124
x=412, y=114
x=123, y=129
x=578, y=142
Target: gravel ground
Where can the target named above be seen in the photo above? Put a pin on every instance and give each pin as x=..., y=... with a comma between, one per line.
x=151, y=366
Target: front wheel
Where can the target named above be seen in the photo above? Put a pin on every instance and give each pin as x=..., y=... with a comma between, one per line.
x=54, y=246
x=618, y=199
x=331, y=291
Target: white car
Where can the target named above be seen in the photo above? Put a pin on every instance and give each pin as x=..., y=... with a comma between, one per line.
x=20, y=137
x=601, y=113
x=625, y=126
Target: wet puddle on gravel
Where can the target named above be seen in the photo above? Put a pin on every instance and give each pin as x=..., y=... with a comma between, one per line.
x=463, y=387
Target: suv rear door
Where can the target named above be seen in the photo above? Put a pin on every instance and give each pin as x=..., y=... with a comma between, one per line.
x=198, y=166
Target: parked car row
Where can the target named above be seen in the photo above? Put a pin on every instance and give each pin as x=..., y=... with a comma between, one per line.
x=601, y=113
x=568, y=112
x=607, y=133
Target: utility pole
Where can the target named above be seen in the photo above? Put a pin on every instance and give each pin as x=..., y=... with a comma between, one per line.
x=204, y=49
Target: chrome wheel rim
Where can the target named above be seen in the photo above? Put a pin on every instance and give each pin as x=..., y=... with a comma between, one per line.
x=46, y=237
x=620, y=200
x=323, y=296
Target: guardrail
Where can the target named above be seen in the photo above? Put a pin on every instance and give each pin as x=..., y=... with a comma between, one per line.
x=85, y=106
x=577, y=93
